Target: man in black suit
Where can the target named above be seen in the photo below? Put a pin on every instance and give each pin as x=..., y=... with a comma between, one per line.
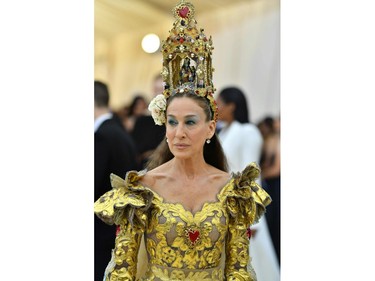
x=114, y=153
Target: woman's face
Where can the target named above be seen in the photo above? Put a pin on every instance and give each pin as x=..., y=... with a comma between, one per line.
x=225, y=111
x=140, y=107
x=186, y=128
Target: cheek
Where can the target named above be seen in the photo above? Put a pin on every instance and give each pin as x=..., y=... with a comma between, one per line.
x=169, y=132
x=224, y=110
x=200, y=135
x=221, y=111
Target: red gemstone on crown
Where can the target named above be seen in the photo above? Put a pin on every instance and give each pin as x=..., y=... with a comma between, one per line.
x=193, y=235
x=183, y=12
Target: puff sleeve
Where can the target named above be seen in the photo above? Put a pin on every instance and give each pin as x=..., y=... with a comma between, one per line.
x=126, y=205
x=246, y=203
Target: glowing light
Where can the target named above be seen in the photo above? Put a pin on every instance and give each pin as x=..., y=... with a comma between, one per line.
x=150, y=43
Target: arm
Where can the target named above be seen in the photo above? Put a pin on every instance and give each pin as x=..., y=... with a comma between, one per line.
x=125, y=205
x=124, y=266
x=237, y=253
x=246, y=203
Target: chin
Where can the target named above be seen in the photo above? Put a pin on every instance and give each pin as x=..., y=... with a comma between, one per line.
x=181, y=154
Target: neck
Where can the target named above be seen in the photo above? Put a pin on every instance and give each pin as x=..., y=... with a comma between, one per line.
x=229, y=121
x=189, y=168
x=99, y=111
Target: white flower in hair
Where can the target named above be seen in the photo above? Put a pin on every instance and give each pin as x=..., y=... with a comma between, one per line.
x=157, y=107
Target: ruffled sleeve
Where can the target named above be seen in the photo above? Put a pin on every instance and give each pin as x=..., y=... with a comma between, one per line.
x=127, y=200
x=246, y=202
x=127, y=205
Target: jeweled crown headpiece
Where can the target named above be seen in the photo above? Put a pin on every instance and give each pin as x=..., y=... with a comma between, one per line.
x=187, y=63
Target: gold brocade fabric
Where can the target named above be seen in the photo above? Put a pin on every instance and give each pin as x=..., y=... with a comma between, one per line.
x=181, y=245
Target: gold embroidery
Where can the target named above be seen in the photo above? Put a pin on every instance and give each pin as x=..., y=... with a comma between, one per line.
x=160, y=273
x=181, y=245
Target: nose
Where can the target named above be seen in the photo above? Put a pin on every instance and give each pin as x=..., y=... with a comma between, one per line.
x=180, y=130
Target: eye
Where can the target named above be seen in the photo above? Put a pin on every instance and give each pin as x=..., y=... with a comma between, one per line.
x=190, y=122
x=172, y=122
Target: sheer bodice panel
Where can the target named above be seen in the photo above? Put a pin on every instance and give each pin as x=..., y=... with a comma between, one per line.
x=181, y=245
x=179, y=239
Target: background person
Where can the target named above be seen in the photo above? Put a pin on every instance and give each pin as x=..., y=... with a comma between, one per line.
x=242, y=143
x=114, y=151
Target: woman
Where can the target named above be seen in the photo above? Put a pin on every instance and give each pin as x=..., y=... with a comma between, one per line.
x=189, y=211
x=241, y=140
x=270, y=164
x=137, y=108
x=187, y=207
x=242, y=143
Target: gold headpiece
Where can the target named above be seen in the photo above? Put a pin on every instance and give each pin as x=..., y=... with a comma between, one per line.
x=187, y=63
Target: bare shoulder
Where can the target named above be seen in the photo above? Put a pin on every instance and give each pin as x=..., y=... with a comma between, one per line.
x=215, y=182
x=155, y=177
x=218, y=176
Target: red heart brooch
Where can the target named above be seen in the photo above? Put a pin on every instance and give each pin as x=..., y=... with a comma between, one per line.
x=193, y=236
x=183, y=12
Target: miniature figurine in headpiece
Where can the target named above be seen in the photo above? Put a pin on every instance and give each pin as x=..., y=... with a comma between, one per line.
x=187, y=72
x=187, y=63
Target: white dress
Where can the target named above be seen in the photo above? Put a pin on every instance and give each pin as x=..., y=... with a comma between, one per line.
x=242, y=144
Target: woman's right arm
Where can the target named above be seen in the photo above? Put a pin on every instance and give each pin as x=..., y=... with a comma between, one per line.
x=124, y=263
x=126, y=205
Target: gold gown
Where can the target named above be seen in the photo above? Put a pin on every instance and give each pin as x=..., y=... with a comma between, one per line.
x=181, y=245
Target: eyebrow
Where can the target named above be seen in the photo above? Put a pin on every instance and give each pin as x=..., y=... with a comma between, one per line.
x=187, y=116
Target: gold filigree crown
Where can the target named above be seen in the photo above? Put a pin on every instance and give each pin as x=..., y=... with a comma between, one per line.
x=187, y=63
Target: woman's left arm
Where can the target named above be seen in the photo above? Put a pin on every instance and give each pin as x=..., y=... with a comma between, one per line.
x=237, y=252
x=246, y=203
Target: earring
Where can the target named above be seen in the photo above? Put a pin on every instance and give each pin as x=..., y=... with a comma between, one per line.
x=166, y=140
x=208, y=141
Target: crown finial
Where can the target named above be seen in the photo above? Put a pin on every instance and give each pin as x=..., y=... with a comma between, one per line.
x=187, y=62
